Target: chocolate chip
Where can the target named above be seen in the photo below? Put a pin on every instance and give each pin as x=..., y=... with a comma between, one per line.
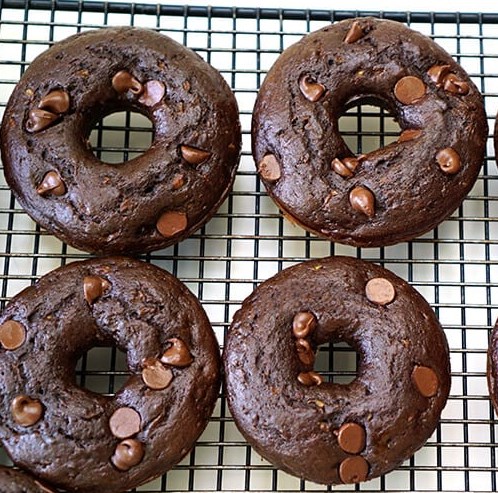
x=426, y=380
x=303, y=324
x=409, y=90
x=39, y=120
x=355, y=33
x=304, y=352
x=51, y=184
x=94, y=287
x=380, y=291
x=310, y=378
x=55, y=101
x=153, y=93
x=128, y=453
x=353, y=469
x=351, y=438
x=269, y=168
x=171, y=223
x=12, y=335
x=311, y=90
x=194, y=155
x=456, y=86
x=449, y=161
x=123, y=82
x=409, y=134
x=362, y=200
x=437, y=73
x=177, y=354
x=26, y=411
x=155, y=375
x=346, y=166
x=125, y=422
x=177, y=182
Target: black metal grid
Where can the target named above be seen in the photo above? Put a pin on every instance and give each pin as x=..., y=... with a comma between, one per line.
x=454, y=267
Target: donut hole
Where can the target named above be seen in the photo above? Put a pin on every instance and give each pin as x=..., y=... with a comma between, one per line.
x=337, y=362
x=102, y=370
x=367, y=125
x=121, y=136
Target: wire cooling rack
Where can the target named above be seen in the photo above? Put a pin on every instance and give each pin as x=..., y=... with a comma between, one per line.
x=455, y=267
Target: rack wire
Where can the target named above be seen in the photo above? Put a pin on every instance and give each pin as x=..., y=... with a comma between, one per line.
x=455, y=267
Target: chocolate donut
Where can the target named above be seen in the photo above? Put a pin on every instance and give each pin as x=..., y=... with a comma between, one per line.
x=16, y=481
x=323, y=431
x=492, y=370
x=146, y=203
x=394, y=193
x=496, y=139
x=87, y=442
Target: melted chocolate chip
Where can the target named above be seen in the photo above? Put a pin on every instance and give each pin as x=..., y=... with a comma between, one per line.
x=409, y=90
x=456, y=86
x=39, y=120
x=437, y=73
x=177, y=354
x=310, y=378
x=125, y=422
x=362, y=200
x=409, y=134
x=94, y=287
x=55, y=102
x=193, y=155
x=171, y=223
x=128, y=453
x=155, y=375
x=26, y=411
x=351, y=438
x=353, y=469
x=426, y=381
x=310, y=89
x=345, y=167
x=269, y=168
x=51, y=184
x=153, y=93
x=178, y=181
x=380, y=291
x=449, y=161
x=303, y=324
x=123, y=82
x=12, y=335
x=304, y=352
x=355, y=33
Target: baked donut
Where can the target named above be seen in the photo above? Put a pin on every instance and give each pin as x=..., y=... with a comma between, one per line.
x=492, y=370
x=496, y=138
x=83, y=441
x=146, y=203
x=16, y=481
x=394, y=193
x=323, y=431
